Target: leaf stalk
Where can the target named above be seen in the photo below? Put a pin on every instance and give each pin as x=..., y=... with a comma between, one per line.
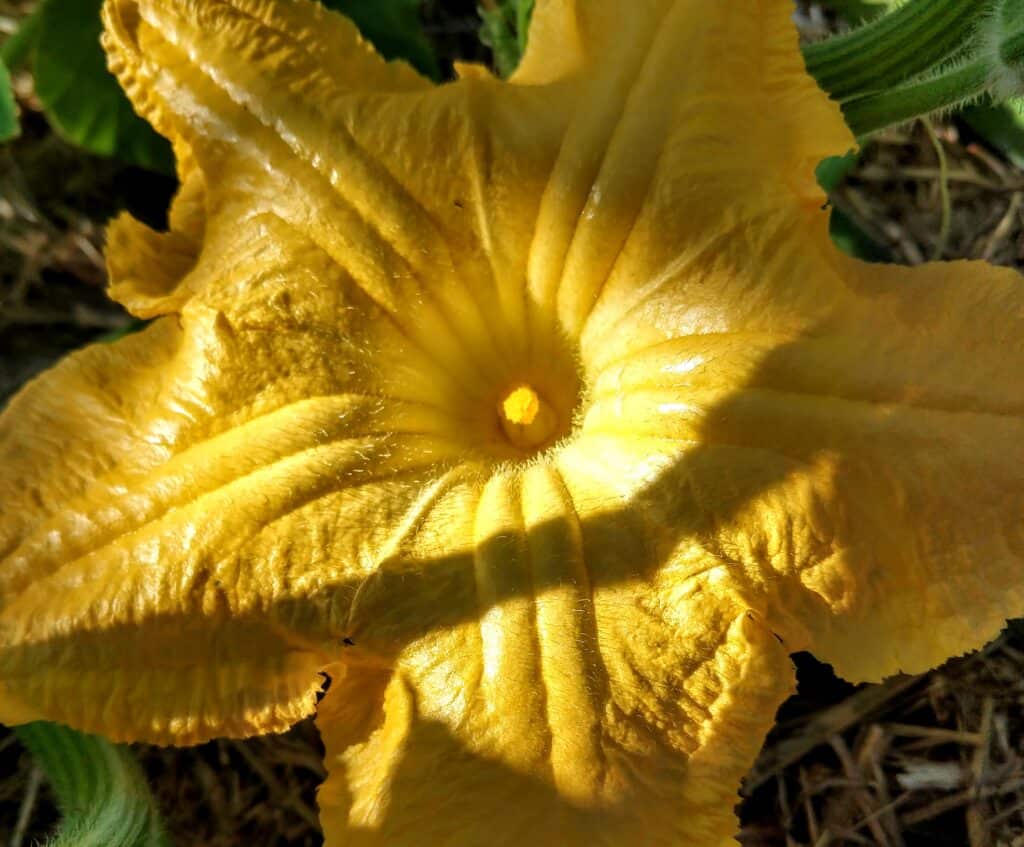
x=100, y=789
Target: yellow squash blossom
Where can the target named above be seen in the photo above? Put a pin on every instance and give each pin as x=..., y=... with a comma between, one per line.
x=540, y=415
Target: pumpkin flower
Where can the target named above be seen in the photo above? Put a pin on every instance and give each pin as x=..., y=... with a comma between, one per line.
x=541, y=417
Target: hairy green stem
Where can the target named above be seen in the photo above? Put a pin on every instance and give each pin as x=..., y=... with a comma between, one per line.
x=890, y=49
x=100, y=789
x=923, y=57
x=898, y=105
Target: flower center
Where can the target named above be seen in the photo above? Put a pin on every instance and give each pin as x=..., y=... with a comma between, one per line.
x=526, y=419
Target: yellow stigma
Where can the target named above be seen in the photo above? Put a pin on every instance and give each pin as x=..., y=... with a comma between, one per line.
x=521, y=406
x=528, y=422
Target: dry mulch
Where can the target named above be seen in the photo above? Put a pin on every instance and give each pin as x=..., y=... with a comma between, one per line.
x=918, y=761
x=931, y=760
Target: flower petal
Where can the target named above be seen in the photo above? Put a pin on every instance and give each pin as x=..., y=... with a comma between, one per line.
x=295, y=54
x=572, y=708
x=692, y=123
x=425, y=195
x=600, y=180
x=179, y=505
x=912, y=504
x=285, y=57
x=862, y=474
x=209, y=74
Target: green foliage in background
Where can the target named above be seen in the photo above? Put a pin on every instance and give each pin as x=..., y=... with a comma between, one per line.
x=12, y=55
x=393, y=27
x=82, y=98
x=504, y=27
x=8, y=109
x=846, y=235
x=16, y=49
x=1002, y=127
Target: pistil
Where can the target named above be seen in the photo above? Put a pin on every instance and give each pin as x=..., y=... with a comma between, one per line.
x=526, y=418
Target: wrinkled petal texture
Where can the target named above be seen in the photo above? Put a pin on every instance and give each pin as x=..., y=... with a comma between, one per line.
x=300, y=468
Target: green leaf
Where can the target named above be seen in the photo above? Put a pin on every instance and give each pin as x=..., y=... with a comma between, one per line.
x=133, y=326
x=831, y=171
x=504, y=27
x=1002, y=127
x=845, y=232
x=8, y=108
x=853, y=241
x=394, y=28
x=81, y=97
x=16, y=50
